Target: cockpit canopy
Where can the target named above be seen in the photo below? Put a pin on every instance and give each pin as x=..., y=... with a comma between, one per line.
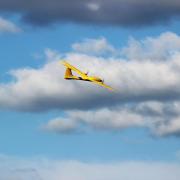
x=97, y=79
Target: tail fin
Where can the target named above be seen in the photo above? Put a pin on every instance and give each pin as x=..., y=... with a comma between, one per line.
x=68, y=73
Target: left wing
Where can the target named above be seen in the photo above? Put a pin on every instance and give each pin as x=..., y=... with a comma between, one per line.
x=102, y=84
x=83, y=75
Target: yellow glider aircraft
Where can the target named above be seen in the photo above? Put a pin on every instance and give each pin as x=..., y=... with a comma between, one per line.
x=83, y=76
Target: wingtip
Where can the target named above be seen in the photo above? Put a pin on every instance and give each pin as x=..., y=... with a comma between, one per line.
x=63, y=62
x=111, y=89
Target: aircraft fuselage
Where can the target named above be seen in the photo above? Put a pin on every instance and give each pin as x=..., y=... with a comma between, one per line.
x=90, y=78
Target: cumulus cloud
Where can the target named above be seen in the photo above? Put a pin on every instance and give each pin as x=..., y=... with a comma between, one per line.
x=12, y=168
x=134, y=80
x=45, y=88
x=8, y=27
x=112, y=119
x=161, y=119
x=98, y=46
x=62, y=125
x=114, y=12
x=153, y=48
x=148, y=81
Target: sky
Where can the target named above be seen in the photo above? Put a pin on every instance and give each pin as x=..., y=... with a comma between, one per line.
x=51, y=128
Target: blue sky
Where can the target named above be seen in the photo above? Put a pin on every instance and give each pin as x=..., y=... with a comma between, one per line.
x=77, y=121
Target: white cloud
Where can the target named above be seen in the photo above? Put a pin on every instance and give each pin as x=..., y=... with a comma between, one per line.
x=170, y=127
x=153, y=48
x=94, y=46
x=111, y=119
x=52, y=55
x=136, y=80
x=161, y=119
x=13, y=168
x=61, y=125
x=46, y=89
x=8, y=26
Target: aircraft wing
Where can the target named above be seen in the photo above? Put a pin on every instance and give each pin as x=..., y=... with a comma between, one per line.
x=102, y=84
x=83, y=75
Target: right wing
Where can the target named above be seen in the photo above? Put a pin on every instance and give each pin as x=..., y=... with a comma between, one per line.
x=102, y=84
x=83, y=75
